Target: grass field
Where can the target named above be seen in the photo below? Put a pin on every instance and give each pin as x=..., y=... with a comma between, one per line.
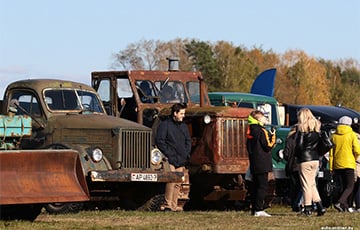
x=282, y=218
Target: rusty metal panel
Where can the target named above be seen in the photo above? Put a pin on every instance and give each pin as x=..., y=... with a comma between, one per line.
x=234, y=138
x=41, y=176
x=231, y=154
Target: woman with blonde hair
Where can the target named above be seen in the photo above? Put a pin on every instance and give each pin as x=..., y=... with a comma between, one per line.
x=306, y=151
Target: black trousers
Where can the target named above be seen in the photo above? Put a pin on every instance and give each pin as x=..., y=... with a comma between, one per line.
x=345, y=177
x=295, y=190
x=260, y=188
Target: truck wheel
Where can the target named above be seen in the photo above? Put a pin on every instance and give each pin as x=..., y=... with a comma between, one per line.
x=20, y=212
x=60, y=208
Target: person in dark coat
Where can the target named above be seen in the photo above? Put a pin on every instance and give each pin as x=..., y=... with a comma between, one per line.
x=259, y=144
x=292, y=170
x=174, y=141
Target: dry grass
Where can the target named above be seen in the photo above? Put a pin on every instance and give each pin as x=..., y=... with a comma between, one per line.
x=116, y=219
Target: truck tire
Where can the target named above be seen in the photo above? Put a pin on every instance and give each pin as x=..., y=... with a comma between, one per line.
x=153, y=204
x=61, y=208
x=20, y=212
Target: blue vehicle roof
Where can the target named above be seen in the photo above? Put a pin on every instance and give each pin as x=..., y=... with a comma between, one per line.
x=326, y=113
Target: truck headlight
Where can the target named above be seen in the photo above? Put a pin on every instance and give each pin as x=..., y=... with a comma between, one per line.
x=156, y=156
x=207, y=119
x=97, y=154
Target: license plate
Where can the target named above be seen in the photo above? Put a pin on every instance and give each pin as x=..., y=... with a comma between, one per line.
x=143, y=177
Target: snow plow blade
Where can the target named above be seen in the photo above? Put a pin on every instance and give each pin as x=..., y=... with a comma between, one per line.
x=41, y=176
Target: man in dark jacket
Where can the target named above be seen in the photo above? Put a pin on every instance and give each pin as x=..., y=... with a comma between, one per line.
x=173, y=139
x=259, y=144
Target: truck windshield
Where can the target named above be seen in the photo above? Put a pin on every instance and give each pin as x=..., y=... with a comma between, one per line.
x=193, y=87
x=70, y=99
x=171, y=91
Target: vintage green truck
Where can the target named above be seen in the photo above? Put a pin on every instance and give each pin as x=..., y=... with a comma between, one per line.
x=117, y=157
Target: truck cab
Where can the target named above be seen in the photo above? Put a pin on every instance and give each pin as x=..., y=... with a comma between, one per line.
x=140, y=95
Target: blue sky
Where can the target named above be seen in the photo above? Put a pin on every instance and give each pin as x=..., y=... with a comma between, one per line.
x=69, y=39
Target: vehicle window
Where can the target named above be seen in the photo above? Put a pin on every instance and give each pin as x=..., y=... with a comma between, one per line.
x=27, y=102
x=104, y=90
x=124, y=88
x=194, y=91
x=62, y=99
x=269, y=111
x=246, y=105
x=171, y=91
x=146, y=91
x=179, y=92
x=70, y=99
x=89, y=101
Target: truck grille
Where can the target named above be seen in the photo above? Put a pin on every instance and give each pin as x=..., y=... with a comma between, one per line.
x=234, y=138
x=135, y=149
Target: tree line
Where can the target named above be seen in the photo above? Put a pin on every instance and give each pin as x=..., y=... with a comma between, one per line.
x=300, y=78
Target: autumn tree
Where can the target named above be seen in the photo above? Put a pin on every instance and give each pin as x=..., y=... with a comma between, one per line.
x=140, y=55
x=260, y=60
x=307, y=77
x=202, y=58
x=151, y=55
x=348, y=92
x=227, y=67
x=230, y=61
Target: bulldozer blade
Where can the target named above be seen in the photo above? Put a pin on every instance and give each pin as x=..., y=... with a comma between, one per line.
x=41, y=176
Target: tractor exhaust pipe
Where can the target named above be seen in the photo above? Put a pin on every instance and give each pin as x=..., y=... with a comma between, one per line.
x=173, y=64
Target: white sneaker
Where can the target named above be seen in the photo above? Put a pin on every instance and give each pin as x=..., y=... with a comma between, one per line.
x=351, y=210
x=261, y=213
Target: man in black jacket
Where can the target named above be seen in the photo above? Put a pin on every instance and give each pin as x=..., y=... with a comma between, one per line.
x=173, y=139
x=259, y=144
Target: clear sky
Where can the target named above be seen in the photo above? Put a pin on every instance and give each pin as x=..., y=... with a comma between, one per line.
x=68, y=39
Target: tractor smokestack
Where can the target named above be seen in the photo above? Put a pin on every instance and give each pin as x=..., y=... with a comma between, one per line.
x=173, y=64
